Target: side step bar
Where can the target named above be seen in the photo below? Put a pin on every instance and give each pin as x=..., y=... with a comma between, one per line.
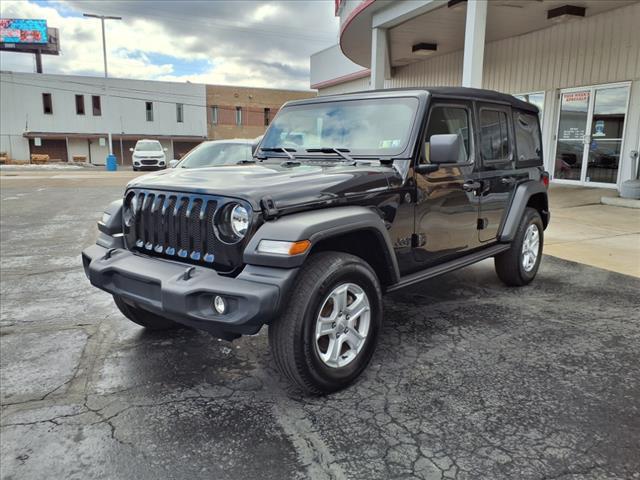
x=449, y=266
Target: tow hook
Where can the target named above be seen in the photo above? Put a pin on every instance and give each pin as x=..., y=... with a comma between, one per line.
x=188, y=273
x=109, y=253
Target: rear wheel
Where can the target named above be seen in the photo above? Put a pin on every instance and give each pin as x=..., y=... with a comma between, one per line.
x=144, y=318
x=327, y=332
x=519, y=265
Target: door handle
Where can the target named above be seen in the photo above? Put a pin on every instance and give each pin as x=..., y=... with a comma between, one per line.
x=507, y=180
x=471, y=186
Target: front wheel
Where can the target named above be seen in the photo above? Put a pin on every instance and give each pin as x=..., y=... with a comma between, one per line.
x=519, y=265
x=327, y=332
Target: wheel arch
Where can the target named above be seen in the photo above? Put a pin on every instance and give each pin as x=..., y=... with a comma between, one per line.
x=355, y=229
x=528, y=194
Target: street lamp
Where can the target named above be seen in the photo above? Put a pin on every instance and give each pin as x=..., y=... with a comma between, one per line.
x=104, y=55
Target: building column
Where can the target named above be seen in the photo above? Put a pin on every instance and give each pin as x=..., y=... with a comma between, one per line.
x=474, y=35
x=380, y=67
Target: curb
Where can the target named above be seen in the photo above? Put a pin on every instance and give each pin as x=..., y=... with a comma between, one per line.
x=620, y=202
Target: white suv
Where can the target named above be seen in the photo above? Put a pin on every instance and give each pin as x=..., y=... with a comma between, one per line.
x=148, y=154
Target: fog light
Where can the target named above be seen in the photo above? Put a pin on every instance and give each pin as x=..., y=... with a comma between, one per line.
x=219, y=304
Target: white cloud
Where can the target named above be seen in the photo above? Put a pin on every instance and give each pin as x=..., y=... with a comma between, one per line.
x=233, y=42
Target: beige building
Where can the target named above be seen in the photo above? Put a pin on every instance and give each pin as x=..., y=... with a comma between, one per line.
x=245, y=112
x=578, y=60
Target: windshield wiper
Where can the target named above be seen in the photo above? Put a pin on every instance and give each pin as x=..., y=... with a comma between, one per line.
x=285, y=150
x=343, y=152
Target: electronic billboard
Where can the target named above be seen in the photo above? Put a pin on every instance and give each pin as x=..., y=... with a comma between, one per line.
x=23, y=31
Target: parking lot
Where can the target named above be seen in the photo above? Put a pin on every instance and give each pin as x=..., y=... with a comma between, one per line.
x=471, y=380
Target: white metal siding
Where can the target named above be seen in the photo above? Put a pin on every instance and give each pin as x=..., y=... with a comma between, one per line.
x=351, y=86
x=603, y=48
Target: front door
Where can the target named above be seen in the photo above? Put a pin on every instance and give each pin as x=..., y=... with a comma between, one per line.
x=590, y=134
x=446, y=211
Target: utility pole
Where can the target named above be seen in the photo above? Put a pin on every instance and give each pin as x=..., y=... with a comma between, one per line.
x=106, y=75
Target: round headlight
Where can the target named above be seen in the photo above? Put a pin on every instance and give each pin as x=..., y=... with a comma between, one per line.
x=239, y=220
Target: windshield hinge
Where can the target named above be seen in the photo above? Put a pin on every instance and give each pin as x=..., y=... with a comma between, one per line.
x=269, y=209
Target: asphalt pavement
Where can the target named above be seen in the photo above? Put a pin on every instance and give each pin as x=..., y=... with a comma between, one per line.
x=471, y=379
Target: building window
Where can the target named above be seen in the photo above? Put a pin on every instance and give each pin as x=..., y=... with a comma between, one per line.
x=537, y=98
x=95, y=104
x=267, y=116
x=47, y=105
x=80, y=104
x=214, y=115
x=238, y=115
x=179, y=112
x=494, y=135
x=149, y=109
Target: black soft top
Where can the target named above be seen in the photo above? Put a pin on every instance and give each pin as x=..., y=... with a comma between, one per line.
x=437, y=92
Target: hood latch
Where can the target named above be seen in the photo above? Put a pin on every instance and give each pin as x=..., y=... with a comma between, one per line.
x=269, y=209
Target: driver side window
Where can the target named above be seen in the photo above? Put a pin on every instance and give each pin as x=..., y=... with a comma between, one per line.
x=449, y=120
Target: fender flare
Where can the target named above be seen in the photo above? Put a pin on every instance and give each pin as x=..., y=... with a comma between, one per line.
x=315, y=226
x=518, y=204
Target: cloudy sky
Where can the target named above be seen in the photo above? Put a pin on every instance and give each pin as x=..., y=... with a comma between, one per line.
x=253, y=43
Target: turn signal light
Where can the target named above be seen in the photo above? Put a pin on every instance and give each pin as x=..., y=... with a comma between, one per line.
x=283, y=248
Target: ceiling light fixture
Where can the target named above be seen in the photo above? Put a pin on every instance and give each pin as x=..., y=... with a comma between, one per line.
x=455, y=3
x=565, y=12
x=424, y=48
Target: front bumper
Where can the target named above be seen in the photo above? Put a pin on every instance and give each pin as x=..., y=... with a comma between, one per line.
x=161, y=286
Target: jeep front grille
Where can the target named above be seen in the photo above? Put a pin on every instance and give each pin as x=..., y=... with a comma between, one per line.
x=178, y=226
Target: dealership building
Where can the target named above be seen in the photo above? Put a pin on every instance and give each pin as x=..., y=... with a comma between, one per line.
x=69, y=117
x=579, y=61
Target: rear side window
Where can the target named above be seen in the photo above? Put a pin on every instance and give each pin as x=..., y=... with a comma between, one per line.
x=494, y=135
x=449, y=120
x=527, y=131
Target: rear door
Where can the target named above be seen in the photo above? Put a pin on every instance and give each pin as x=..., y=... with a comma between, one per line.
x=446, y=210
x=497, y=167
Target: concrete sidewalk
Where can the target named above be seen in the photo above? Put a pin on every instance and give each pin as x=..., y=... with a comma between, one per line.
x=585, y=231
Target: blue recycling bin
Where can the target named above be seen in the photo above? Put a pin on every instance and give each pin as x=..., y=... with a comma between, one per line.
x=112, y=163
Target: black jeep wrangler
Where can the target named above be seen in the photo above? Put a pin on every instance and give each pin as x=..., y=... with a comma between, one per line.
x=347, y=197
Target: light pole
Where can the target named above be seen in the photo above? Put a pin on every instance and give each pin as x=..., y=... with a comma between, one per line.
x=104, y=55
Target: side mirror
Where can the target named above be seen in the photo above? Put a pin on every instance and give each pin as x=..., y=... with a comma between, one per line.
x=255, y=143
x=444, y=148
x=165, y=149
x=173, y=163
x=131, y=149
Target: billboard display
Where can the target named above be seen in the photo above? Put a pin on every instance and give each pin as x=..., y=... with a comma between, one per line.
x=23, y=31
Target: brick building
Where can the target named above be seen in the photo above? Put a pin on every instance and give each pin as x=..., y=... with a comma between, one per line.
x=245, y=112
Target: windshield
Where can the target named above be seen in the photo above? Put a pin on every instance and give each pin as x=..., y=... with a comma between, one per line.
x=148, y=146
x=364, y=127
x=216, y=154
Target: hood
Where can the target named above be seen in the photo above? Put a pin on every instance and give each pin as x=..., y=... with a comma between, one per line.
x=148, y=154
x=288, y=186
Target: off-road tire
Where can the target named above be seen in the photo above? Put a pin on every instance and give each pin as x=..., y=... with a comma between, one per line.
x=144, y=318
x=508, y=264
x=292, y=334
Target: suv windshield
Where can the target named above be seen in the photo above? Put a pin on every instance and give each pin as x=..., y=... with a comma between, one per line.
x=363, y=127
x=216, y=154
x=148, y=146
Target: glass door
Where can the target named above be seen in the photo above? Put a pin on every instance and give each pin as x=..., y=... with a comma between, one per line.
x=590, y=133
x=607, y=131
x=572, y=134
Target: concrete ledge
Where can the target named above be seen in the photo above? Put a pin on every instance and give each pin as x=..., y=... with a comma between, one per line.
x=620, y=202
